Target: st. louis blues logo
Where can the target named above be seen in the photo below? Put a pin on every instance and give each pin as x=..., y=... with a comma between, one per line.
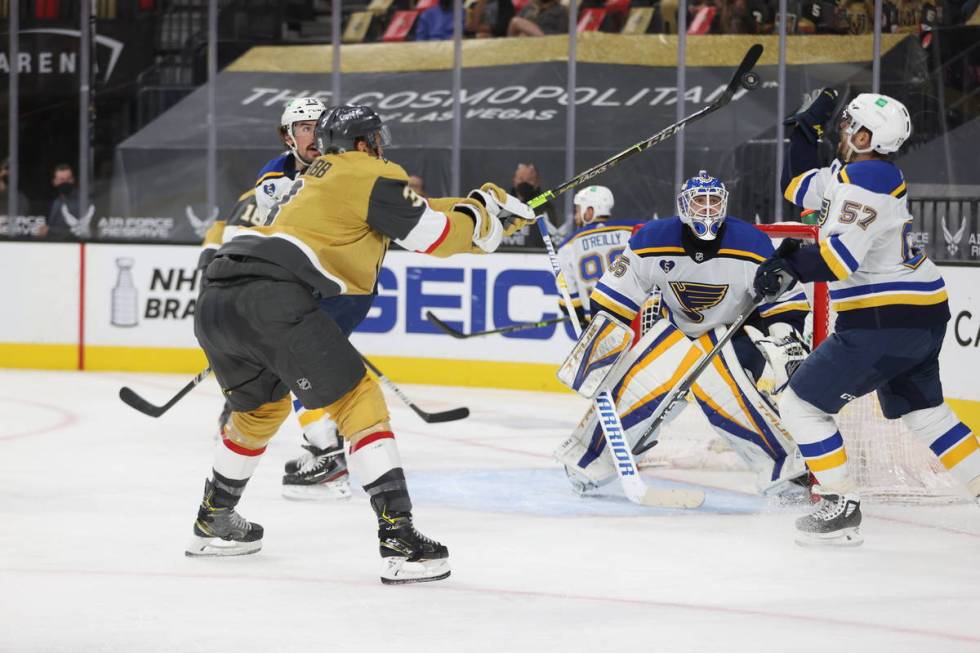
x=695, y=298
x=667, y=266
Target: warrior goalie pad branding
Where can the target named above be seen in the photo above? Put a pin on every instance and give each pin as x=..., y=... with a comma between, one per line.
x=601, y=346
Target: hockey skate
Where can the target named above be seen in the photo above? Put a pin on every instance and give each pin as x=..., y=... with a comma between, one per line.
x=317, y=474
x=835, y=521
x=222, y=531
x=408, y=556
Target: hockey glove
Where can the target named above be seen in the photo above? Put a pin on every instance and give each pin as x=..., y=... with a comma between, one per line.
x=776, y=275
x=785, y=351
x=814, y=114
x=487, y=230
x=513, y=214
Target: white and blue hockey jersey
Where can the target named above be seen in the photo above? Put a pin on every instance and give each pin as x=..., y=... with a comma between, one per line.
x=704, y=284
x=588, y=253
x=275, y=180
x=877, y=278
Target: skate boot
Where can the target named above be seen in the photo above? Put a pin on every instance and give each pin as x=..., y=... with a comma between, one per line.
x=222, y=531
x=317, y=474
x=407, y=555
x=835, y=521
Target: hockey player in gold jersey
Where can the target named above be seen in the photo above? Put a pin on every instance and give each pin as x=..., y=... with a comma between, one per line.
x=259, y=323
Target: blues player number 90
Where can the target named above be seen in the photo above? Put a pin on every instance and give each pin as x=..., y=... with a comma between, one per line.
x=592, y=266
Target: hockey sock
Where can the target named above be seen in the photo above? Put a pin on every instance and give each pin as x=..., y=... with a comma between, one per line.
x=951, y=440
x=819, y=440
x=374, y=459
x=233, y=466
x=318, y=428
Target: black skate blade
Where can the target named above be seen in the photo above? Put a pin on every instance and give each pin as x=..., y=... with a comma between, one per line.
x=845, y=538
x=406, y=581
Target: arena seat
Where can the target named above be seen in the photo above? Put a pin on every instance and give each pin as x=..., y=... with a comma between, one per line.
x=702, y=20
x=400, y=26
x=590, y=20
x=638, y=21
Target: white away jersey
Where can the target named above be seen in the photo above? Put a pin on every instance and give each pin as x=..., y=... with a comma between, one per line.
x=588, y=253
x=702, y=289
x=275, y=180
x=877, y=279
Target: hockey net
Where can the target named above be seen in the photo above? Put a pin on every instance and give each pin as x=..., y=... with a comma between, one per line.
x=888, y=463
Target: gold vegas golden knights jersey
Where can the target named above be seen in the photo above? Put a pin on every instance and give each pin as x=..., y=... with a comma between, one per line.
x=332, y=229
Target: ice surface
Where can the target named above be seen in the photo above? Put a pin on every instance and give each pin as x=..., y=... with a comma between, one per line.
x=97, y=501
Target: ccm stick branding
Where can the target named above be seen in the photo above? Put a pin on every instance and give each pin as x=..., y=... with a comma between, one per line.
x=614, y=432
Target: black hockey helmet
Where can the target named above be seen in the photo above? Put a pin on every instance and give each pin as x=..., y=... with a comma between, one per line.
x=339, y=129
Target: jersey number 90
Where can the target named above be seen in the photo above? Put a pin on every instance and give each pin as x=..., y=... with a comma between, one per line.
x=592, y=267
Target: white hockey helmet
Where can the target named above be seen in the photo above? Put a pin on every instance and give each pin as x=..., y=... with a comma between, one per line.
x=884, y=117
x=598, y=198
x=299, y=110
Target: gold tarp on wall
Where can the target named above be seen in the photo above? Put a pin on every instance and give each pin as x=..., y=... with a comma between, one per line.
x=592, y=47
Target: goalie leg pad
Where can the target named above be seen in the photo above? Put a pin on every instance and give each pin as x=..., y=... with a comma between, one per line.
x=637, y=396
x=735, y=408
x=596, y=355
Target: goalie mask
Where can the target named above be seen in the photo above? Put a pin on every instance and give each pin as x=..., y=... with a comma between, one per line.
x=703, y=204
x=339, y=130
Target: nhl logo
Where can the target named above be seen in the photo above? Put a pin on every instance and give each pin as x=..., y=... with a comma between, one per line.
x=666, y=266
x=698, y=256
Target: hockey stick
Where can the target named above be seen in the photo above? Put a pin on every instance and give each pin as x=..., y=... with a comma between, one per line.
x=612, y=428
x=509, y=329
x=430, y=418
x=133, y=400
x=743, y=77
x=679, y=391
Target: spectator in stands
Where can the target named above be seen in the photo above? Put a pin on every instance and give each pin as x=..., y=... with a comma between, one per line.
x=436, y=22
x=417, y=184
x=64, y=210
x=22, y=204
x=527, y=185
x=488, y=18
x=538, y=18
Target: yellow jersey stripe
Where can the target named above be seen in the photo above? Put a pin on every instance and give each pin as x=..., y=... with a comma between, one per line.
x=787, y=307
x=742, y=252
x=843, y=175
x=829, y=257
x=828, y=462
x=794, y=185
x=898, y=191
x=887, y=300
x=598, y=231
x=658, y=250
x=269, y=175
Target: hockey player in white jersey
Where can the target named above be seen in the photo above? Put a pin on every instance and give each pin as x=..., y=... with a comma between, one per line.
x=891, y=309
x=596, y=242
x=703, y=262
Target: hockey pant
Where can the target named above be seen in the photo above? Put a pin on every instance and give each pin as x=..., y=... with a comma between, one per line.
x=726, y=394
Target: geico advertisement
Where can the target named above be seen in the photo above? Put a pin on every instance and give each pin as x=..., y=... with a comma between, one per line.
x=145, y=296
x=960, y=358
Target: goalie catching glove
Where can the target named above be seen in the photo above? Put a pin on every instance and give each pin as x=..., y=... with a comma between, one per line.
x=785, y=351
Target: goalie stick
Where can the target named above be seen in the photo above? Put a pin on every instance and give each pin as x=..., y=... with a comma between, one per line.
x=743, y=77
x=134, y=400
x=508, y=329
x=635, y=489
x=679, y=391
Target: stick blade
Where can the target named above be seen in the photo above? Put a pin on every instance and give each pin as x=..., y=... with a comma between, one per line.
x=672, y=498
x=133, y=400
x=443, y=326
x=453, y=415
x=749, y=61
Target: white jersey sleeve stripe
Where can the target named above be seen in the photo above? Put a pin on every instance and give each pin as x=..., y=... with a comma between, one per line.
x=431, y=229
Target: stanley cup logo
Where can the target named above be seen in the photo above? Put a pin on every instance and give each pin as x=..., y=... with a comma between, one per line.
x=125, y=307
